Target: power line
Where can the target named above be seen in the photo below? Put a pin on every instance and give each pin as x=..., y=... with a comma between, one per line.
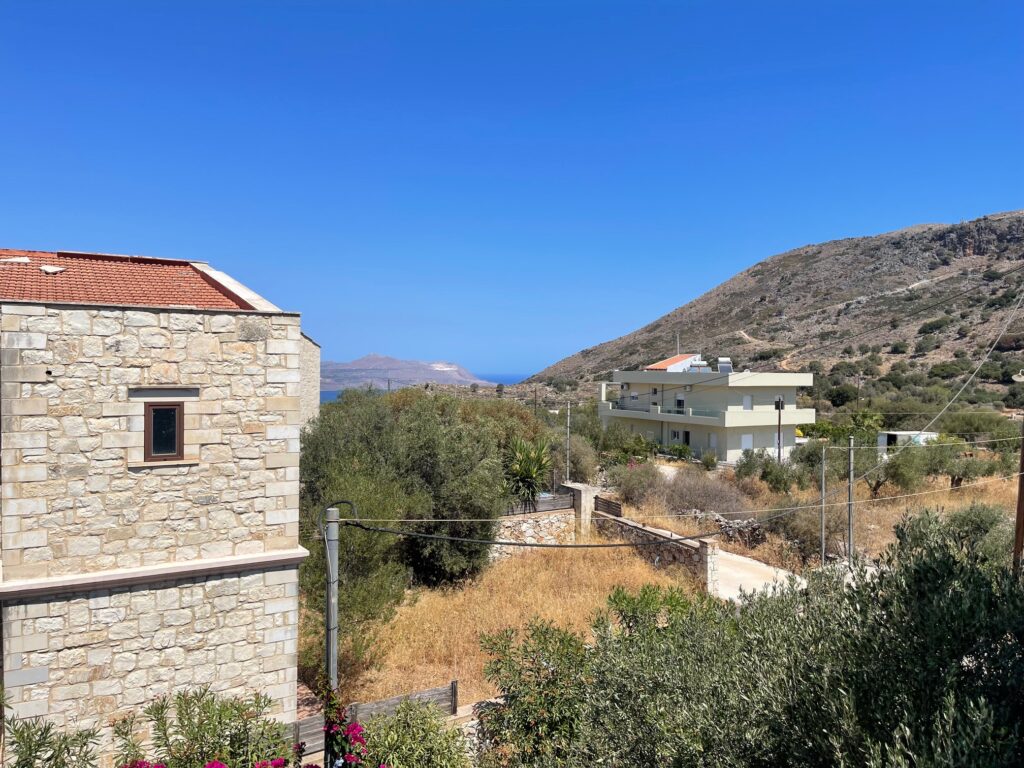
x=361, y=525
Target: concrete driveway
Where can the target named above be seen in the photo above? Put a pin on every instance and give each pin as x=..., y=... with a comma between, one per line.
x=736, y=573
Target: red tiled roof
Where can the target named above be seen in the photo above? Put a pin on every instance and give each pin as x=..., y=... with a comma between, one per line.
x=664, y=364
x=110, y=280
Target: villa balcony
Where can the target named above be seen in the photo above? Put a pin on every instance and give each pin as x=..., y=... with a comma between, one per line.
x=761, y=417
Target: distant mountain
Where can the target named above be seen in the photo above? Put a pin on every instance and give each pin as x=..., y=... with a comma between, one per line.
x=783, y=311
x=377, y=370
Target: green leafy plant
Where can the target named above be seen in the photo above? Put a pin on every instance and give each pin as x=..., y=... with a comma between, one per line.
x=415, y=735
x=527, y=469
x=194, y=728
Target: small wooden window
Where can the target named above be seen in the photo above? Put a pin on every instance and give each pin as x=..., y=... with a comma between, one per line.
x=165, y=434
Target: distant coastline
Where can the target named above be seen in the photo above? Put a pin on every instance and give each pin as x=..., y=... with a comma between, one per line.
x=329, y=395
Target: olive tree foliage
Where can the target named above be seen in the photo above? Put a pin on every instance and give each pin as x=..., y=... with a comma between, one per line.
x=918, y=664
x=583, y=459
x=406, y=456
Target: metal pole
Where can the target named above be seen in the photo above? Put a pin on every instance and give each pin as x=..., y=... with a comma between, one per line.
x=568, y=418
x=1018, y=534
x=778, y=437
x=824, y=452
x=331, y=527
x=849, y=509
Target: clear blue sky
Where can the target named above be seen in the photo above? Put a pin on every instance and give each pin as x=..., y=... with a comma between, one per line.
x=498, y=183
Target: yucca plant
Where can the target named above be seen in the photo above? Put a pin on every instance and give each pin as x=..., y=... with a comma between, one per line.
x=527, y=468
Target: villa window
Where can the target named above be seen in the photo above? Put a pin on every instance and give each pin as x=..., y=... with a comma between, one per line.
x=165, y=434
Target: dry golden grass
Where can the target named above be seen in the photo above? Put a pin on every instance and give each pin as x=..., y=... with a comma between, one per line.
x=873, y=519
x=435, y=637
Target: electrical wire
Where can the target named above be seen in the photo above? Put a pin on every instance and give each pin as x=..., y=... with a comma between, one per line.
x=672, y=537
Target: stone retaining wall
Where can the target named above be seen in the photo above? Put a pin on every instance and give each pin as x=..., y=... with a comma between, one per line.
x=698, y=556
x=555, y=527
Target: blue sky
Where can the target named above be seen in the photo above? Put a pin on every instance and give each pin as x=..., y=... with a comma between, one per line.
x=498, y=183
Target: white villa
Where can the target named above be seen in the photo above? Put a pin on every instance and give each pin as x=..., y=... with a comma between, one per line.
x=685, y=400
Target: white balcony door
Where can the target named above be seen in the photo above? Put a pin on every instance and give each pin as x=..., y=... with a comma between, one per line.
x=747, y=442
x=713, y=442
x=748, y=403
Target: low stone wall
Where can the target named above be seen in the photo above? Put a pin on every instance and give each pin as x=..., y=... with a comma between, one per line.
x=555, y=527
x=698, y=556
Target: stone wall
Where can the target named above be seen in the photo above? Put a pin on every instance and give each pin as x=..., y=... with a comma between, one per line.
x=122, y=579
x=81, y=659
x=535, y=528
x=661, y=547
x=309, y=368
x=77, y=495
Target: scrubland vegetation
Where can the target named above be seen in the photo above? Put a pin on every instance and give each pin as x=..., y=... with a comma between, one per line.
x=917, y=664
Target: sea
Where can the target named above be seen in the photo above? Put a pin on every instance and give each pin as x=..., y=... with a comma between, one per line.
x=329, y=395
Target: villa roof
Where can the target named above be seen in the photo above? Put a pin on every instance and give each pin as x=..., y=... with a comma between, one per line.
x=664, y=365
x=63, y=277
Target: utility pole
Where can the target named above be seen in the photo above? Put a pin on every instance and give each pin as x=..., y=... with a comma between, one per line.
x=535, y=402
x=779, y=405
x=1018, y=534
x=568, y=418
x=849, y=509
x=824, y=453
x=677, y=342
x=331, y=527
x=389, y=386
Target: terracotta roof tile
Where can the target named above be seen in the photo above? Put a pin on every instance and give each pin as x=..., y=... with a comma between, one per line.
x=109, y=280
x=664, y=364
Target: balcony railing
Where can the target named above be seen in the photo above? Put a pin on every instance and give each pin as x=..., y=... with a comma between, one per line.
x=635, y=405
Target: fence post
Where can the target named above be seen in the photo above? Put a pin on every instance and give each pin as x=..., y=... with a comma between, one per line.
x=455, y=697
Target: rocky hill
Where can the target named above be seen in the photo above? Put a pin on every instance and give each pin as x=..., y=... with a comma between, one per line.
x=789, y=309
x=377, y=370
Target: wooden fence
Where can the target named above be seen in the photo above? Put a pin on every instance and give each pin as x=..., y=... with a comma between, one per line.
x=543, y=504
x=607, y=506
x=311, y=729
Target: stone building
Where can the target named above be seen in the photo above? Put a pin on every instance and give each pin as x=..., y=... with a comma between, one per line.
x=149, y=466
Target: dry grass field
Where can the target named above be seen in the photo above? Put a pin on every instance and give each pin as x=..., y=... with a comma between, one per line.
x=873, y=518
x=435, y=636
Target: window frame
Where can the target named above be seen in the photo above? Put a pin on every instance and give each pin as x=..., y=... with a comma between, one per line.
x=147, y=432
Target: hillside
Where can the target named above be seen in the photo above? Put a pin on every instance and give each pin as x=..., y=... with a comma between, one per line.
x=376, y=370
x=775, y=313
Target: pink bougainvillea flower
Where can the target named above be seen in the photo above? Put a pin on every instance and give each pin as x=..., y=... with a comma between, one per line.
x=215, y=764
x=278, y=762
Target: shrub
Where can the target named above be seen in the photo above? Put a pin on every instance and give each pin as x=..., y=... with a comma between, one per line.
x=636, y=482
x=926, y=344
x=415, y=735
x=916, y=664
x=683, y=452
x=709, y=460
x=198, y=727
x=582, y=459
x=37, y=743
x=693, y=489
